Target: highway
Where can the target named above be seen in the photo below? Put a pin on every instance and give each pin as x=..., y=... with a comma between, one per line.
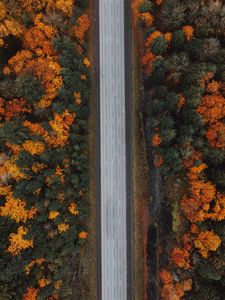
x=113, y=151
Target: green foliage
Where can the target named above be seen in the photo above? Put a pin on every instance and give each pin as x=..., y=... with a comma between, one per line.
x=207, y=271
x=178, y=39
x=172, y=15
x=29, y=87
x=8, y=89
x=176, y=65
x=159, y=45
x=146, y=6
x=158, y=72
x=83, y=3
x=207, y=293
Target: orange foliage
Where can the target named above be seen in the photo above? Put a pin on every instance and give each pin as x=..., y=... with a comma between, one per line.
x=165, y=276
x=207, y=241
x=172, y=290
x=156, y=140
x=58, y=284
x=8, y=26
x=213, y=87
x=40, y=36
x=77, y=97
x=33, y=5
x=18, y=62
x=40, y=58
x=135, y=4
x=31, y=294
x=198, y=205
x=203, y=191
x=188, y=31
x=15, y=149
x=192, y=209
x=10, y=109
x=201, y=194
x=73, y=209
x=53, y=214
x=81, y=29
x=218, y=211
x=196, y=156
x=16, y=210
x=187, y=242
x=152, y=37
x=48, y=71
x=17, y=243
x=157, y=160
x=147, y=62
x=180, y=257
x=194, y=229
x=183, y=287
x=59, y=172
x=205, y=79
x=83, y=235
x=43, y=282
x=147, y=18
x=60, y=126
x=86, y=62
x=83, y=77
x=9, y=170
x=63, y=227
x=34, y=148
x=66, y=6
x=3, y=11
x=168, y=36
x=38, y=261
x=158, y=2
x=194, y=172
x=212, y=108
x=34, y=128
x=181, y=102
x=216, y=135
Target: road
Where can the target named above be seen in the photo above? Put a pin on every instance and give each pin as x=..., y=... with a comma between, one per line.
x=113, y=151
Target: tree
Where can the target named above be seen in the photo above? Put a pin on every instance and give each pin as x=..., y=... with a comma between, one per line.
x=207, y=241
x=29, y=87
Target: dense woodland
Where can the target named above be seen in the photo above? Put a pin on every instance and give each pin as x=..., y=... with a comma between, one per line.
x=44, y=106
x=183, y=73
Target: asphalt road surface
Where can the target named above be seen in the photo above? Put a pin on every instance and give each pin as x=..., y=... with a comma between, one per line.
x=113, y=150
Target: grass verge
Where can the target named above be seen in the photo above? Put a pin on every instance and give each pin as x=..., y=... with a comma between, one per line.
x=140, y=184
x=88, y=252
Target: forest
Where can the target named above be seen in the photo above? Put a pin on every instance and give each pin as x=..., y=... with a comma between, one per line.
x=182, y=67
x=45, y=91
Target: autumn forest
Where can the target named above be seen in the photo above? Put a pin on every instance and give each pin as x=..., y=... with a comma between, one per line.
x=182, y=67
x=50, y=195
x=44, y=105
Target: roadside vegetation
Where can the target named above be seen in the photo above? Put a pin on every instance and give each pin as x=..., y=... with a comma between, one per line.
x=183, y=73
x=44, y=161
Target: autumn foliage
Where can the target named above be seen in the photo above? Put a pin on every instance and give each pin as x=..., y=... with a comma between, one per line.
x=207, y=241
x=182, y=77
x=44, y=107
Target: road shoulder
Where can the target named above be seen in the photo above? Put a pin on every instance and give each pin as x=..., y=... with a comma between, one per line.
x=140, y=182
